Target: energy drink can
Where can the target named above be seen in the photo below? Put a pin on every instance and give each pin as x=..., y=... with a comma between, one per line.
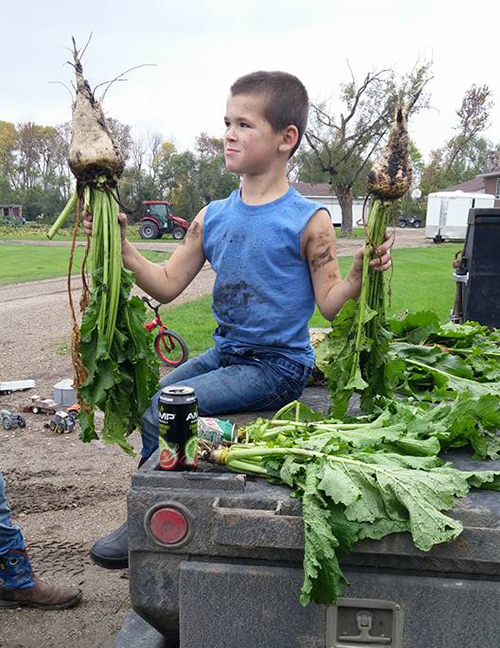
x=178, y=428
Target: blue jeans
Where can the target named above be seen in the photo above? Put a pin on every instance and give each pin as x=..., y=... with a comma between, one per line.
x=15, y=570
x=228, y=382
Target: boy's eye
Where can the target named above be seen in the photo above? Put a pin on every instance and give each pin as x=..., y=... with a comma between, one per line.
x=244, y=125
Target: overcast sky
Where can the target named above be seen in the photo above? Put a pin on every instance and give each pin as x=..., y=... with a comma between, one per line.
x=200, y=47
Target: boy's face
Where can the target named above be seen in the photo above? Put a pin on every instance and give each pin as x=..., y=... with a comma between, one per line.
x=250, y=144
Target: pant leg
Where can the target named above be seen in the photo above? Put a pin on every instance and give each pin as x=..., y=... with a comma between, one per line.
x=233, y=384
x=10, y=534
x=15, y=568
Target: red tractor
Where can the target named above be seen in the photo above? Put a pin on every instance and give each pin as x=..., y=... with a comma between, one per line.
x=158, y=219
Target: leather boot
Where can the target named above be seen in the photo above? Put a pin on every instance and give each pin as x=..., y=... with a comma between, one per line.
x=45, y=596
x=111, y=552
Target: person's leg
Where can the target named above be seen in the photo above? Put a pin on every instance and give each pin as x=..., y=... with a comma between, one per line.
x=18, y=585
x=226, y=383
x=11, y=541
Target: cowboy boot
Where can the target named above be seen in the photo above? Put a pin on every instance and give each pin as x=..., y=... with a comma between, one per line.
x=19, y=586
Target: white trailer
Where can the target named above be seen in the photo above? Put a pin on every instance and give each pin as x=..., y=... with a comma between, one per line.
x=448, y=211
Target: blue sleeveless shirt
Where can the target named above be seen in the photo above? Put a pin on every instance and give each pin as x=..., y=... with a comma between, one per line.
x=263, y=296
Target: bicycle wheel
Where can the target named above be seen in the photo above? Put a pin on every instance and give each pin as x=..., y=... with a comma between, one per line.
x=171, y=348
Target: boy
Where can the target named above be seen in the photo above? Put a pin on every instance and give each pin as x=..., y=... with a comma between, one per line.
x=18, y=585
x=274, y=255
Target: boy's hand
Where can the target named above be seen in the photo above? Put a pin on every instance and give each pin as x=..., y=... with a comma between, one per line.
x=381, y=260
x=122, y=221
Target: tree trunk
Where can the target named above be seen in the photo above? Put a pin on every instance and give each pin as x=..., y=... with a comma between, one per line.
x=344, y=196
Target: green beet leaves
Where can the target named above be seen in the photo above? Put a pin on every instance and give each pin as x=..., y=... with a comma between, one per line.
x=121, y=377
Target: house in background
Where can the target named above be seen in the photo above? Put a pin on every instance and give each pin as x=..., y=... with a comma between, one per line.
x=487, y=182
x=321, y=192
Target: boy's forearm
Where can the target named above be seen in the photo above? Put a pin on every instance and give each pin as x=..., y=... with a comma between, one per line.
x=340, y=293
x=148, y=275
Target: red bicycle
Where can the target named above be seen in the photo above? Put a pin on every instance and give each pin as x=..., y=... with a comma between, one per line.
x=169, y=346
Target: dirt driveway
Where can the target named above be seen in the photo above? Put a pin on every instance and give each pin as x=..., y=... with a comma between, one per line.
x=64, y=493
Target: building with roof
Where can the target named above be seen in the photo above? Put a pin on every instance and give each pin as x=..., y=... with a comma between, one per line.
x=321, y=192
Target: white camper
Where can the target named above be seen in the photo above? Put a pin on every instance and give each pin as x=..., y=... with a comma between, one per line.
x=448, y=211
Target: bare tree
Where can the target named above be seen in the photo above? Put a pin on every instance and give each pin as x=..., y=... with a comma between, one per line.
x=473, y=117
x=343, y=144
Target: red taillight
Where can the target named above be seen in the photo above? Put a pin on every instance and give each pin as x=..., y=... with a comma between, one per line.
x=169, y=525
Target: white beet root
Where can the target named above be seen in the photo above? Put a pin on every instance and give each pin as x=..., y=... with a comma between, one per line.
x=92, y=151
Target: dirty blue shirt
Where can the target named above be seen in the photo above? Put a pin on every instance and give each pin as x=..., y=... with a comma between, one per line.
x=263, y=295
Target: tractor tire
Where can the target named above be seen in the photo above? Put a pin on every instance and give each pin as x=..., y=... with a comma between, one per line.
x=178, y=233
x=21, y=422
x=7, y=425
x=416, y=224
x=35, y=410
x=149, y=230
x=402, y=223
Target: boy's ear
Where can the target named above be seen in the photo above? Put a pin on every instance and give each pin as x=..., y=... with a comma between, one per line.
x=290, y=136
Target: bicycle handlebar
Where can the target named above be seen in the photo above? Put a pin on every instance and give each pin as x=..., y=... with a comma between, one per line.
x=147, y=301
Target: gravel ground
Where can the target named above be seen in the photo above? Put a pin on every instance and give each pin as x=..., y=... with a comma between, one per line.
x=64, y=493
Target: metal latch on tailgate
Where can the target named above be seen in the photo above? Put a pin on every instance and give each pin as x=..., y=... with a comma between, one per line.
x=257, y=524
x=364, y=623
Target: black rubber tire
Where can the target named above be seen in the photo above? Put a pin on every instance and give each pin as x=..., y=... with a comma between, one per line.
x=178, y=233
x=21, y=422
x=416, y=224
x=171, y=348
x=149, y=230
x=7, y=425
x=35, y=410
x=402, y=223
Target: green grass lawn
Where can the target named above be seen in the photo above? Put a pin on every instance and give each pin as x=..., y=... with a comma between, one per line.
x=421, y=279
x=31, y=262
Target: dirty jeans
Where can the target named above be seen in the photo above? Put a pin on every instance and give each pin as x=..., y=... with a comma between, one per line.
x=15, y=570
x=230, y=382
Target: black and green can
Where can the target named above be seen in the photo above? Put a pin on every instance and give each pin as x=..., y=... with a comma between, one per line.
x=178, y=428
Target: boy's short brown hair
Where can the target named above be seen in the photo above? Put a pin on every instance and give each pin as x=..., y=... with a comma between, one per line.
x=286, y=100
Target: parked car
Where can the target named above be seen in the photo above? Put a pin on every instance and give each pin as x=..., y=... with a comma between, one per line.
x=158, y=219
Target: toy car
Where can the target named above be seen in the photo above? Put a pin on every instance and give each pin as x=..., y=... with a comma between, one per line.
x=61, y=423
x=11, y=420
x=45, y=405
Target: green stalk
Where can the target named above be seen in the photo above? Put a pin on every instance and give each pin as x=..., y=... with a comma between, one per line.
x=105, y=264
x=95, y=200
x=68, y=209
x=247, y=467
x=115, y=269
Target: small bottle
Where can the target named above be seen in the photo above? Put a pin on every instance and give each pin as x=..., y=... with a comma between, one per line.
x=178, y=428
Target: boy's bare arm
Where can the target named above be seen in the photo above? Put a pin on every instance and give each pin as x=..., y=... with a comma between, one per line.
x=320, y=248
x=165, y=282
